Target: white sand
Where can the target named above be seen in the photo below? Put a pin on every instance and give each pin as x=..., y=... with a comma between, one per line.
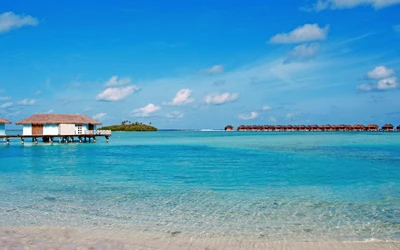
x=73, y=238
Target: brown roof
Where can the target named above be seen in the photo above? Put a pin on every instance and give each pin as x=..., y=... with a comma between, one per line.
x=59, y=118
x=4, y=121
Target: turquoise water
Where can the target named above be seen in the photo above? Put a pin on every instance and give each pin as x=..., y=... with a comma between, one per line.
x=278, y=186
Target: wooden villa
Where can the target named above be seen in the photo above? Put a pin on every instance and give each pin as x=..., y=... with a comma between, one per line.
x=388, y=127
x=3, y=123
x=229, y=128
x=65, y=127
x=315, y=127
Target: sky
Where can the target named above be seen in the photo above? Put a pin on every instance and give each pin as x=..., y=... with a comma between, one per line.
x=202, y=64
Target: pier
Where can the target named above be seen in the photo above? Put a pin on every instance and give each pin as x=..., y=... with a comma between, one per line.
x=89, y=136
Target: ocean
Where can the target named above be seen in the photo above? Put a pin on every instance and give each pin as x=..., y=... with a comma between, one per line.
x=205, y=186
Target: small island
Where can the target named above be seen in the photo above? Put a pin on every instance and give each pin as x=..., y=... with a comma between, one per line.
x=128, y=126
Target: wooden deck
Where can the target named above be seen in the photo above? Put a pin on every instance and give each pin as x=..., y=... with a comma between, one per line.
x=89, y=136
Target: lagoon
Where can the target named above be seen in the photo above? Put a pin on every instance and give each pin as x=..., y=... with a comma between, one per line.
x=195, y=190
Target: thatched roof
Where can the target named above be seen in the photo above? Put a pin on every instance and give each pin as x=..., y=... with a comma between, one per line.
x=4, y=121
x=58, y=119
x=390, y=126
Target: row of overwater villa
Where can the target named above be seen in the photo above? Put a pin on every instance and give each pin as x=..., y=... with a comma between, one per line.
x=328, y=127
x=50, y=127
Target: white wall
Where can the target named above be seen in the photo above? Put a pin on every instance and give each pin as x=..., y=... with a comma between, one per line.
x=50, y=129
x=66, y=129
x=27, y=129
x=2, y=129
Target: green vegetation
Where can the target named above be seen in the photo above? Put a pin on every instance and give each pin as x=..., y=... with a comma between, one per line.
x=130, y=127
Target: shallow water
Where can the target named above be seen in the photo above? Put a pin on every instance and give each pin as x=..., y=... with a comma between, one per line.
x=257, y=185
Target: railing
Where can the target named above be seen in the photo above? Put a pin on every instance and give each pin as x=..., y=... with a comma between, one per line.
x=97, y=132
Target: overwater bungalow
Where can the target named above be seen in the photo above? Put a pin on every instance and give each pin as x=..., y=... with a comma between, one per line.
x=3, y=123
x=388, y=127
x=229, y=128
x=372, y=127
x=398, y=128
x=58, y=124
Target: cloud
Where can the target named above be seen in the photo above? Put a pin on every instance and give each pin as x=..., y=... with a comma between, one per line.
x=272, y=119
x=380, y=72
x=365, y=87
x=116, y=94
x=219, y=82
x=396, y=27
x=4, y=98
x=382, y=85
x=99, y=116
x=49, y=112
x=218, y=99
x=305, y=33
x=292, y=115
x=182, y=97
x=174, y=115
x=38, y=92
x=387, y=84
x=216, y=69
x=10, y=21
x=349, y=4
x=266, y=108
x=27, y=102
x=251, y=116
x=302, y=52
x=146, y=111
x=6, y=105
x=114, y=82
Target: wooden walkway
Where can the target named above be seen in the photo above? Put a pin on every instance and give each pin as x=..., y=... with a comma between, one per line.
x=53, y=138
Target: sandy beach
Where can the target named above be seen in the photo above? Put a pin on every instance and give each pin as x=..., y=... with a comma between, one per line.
x=75, y=238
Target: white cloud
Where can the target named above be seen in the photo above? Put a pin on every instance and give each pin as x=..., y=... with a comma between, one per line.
x=387, y=84
x=219, y=82
x=9, y=21
x=302, y=52
x=182, y=97
x=116, y=94
x=272, y=119
x=38, y=92
x=27, y=102
x=174, y=115
x=266, y=108
x=251, y=116
x=99, y=116
x=220, y=98
x=305, y=33
x=396, y=27
x=349, y=4
x=382, y=85
x=6, y=105
x=114, y=81
x=216, y=69
x=380, y=72
x=146, y=111
x=365, y=87
x=49, y=112
x=292, y=115
x=4, y=98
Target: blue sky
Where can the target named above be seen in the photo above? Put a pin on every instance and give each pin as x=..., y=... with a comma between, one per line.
x=202, y=64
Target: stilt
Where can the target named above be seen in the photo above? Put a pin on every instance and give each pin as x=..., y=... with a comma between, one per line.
x=85, y=138
x=94, y=139
x=107, y=138
x=66, y=140
x=51, y=140
x=8, y=141
x=36, y=140
x=80, y=139
x=22, y=140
